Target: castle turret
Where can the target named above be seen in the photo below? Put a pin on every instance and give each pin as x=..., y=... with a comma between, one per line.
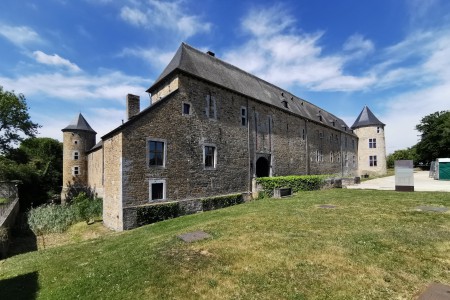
x=78, y=137
x=371, y=145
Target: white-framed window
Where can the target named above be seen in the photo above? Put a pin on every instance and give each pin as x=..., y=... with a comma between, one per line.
x=157, y=189
x=76, y=155
x=243, y=116
x=209, y=156
x=186, y=109
x=373, y=160
x=76, y=170
x=319, y=155
x=156, y=152
x=211, y=109
x=372, y=143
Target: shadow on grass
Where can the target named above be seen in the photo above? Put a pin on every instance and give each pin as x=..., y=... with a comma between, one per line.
x=20, y=287
x=23, y=239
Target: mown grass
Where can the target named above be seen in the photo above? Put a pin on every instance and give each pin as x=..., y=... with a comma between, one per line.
x=373, y=245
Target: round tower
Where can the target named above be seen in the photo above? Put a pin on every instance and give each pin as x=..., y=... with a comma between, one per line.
x=371, y=144
x=78, y=137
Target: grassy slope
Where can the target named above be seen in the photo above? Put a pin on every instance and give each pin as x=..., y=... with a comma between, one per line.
x=373, y=246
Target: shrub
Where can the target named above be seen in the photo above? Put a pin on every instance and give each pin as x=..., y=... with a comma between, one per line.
x=296, y=182
x=86, y=208
x=221, y=201
x=159, y=212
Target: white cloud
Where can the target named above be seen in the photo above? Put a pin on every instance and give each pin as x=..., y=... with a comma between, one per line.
x=111, y=85
x=358, y=46
x=19, y=35
x=154, y=56
x=155, y=14
x=55, y=60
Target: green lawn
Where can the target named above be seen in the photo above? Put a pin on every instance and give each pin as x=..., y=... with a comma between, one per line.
x=373, y=245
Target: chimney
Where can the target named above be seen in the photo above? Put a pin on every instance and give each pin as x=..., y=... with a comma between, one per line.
x=211, y=53
x=133, y=106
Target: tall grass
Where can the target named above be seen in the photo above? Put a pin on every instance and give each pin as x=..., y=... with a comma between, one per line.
x=52, y=218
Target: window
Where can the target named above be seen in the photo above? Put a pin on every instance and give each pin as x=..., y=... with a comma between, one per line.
x=372, y=143
x=319, y=156
x=320, y=118
x=76, y=155
x=157, y=189
x=285, y=104
x=244, y=116
x=209, y=156
x=378, y=129
x=186, y=109
x=303, y=134
x=331, y=156
x=373, y=161
x=76, y=171
x=75, y=142
x=156, y=153
x=211, y=107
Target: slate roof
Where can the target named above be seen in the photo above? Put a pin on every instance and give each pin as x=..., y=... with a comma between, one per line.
x=198, y=64
x=366, y=118
x=79, y=123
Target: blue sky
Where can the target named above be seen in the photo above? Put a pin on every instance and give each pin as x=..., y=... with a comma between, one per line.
x=84, y=56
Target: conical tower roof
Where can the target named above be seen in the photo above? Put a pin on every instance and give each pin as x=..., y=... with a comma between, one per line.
x=79, y=123
x=366, y=118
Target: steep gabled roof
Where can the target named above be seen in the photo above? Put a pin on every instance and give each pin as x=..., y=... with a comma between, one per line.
x=366, y=118
x=207, y=67
x=79, y=123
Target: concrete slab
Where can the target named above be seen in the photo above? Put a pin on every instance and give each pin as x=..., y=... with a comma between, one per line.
x=194, y=236
x=422, y=183
x=436, y=291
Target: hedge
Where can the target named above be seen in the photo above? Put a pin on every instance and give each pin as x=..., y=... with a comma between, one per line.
x=221, y=201
x=296, y=182
x=154, y=213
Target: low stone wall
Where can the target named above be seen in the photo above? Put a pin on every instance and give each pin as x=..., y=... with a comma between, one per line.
x=8, y=214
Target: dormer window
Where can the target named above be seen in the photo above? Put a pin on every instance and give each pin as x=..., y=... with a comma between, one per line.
x=285, y=104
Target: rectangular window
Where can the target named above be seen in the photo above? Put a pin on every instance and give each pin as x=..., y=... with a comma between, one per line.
x=373, y=161
x=211, y=107
x=156, y=153
x=331, y=156
x=209, y=154
x=303, y=134
x=378, y=129
x=76, y=171
x=186, y=108
x=372, y=143
x=76, y=155
x=157, y=189
x=244, y=116
x=319, y=156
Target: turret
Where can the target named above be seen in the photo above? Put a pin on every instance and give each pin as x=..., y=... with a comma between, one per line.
x=371, y=145
x=78, y=137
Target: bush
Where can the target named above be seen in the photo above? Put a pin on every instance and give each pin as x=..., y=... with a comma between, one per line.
x=154, y=213
x=221, y=201
x=53, y=218
x=295, y=182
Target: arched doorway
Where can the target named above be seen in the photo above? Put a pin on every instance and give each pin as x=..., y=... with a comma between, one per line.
x=262, y=167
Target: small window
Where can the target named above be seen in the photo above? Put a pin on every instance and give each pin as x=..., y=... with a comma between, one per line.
x=372, y=143
x=76, y=171
x=331, y=156
x=76, y=155
x=186, y=108
x=303, y=134
x=156, y=153
x=378, y=129
x=285, y=104
x=209, y=154
x=319, y=155
x=210, y=108
x=320, y=118
x=373, y=161
x=75, y=142
x=157, y=189
x=244, y=116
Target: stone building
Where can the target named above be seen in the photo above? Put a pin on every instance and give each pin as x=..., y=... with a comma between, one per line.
x=210, y=129
x=371, y=145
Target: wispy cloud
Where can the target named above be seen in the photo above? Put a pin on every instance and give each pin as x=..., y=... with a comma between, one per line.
x=19, y=35
x=55, y=60
x=153, y=14
x=155, y=56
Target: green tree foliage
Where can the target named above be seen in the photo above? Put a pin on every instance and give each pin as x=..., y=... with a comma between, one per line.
x=404, y=154
x=15, y=121
x=435, y=136
x=38, y=164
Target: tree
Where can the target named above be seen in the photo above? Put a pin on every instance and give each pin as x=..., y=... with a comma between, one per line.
x=15, y=121
x=435, y=136
x=407, y=154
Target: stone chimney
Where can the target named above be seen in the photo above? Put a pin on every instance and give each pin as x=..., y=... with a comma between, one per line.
x=133, y=106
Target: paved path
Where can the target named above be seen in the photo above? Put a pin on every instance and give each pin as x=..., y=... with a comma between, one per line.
x=422, y=183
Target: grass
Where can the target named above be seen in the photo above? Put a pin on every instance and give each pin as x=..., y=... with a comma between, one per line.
x=373, y=245
x=3, y=200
